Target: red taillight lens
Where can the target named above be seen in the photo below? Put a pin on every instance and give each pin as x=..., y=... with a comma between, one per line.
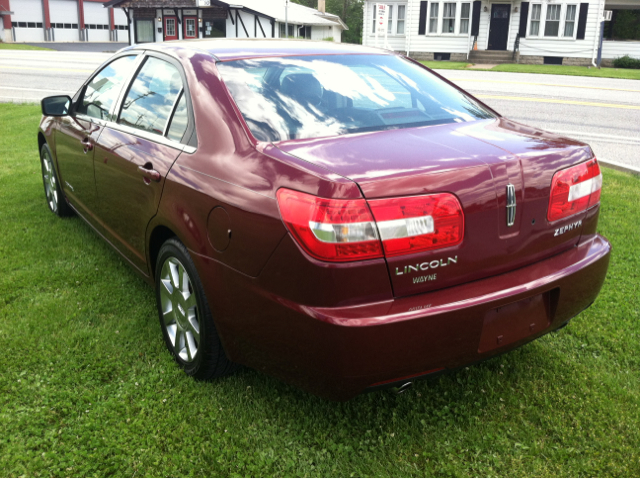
x=345, y=230
x=331, y=230
x=574, y=190
x=418, y=223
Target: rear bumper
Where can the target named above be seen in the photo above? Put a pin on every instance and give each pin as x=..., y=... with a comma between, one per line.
x=339, y=352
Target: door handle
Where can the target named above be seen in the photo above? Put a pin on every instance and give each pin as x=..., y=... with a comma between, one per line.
x=87, y=145
x=148, y=173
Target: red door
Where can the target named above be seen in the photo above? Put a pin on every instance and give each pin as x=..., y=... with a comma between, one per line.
x=190, y=27
x=170, y=28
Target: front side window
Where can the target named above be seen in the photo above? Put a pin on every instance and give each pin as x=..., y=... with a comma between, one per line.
x=552, y=23
x=449, y=18
x=401, y=14
x=144, y=31
x=534, y=28
x=330, y=95
x=103, y=90
x=569, y=20
x=433, y=18
x=151, y=98
x=465, y=11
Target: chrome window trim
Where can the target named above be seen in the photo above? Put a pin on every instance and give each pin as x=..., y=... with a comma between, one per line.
x=150, y=136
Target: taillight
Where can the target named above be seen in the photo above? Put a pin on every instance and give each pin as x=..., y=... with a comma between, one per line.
x=345, y=230
x=418, y=223
x=574, y=190
x=332, y=230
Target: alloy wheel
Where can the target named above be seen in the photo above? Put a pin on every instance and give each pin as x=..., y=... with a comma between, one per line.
x=179, y=309
x=50, y=183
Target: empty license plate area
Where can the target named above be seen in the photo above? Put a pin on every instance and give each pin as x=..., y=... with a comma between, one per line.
x=515, y=321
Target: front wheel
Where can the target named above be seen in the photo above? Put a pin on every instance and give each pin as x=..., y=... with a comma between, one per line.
x=185, y=317
x=52, y=191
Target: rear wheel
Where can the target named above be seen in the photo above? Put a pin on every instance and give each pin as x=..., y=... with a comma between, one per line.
x=185, y=317
x=55, y=198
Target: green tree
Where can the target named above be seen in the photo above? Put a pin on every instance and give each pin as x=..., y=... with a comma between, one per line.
x=350, y=11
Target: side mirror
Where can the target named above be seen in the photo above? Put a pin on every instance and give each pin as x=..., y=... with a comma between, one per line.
x=56, y=105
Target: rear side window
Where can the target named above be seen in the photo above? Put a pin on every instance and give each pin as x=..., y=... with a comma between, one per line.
x=152, y=97
x=179, y=121
x=103, y=90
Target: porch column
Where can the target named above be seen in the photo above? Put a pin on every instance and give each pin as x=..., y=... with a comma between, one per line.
x=6, y=19
x=83, y=32
x=47, y=21
x=112, y=26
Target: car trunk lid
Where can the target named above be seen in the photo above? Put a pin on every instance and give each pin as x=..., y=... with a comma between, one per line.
x=476, y=162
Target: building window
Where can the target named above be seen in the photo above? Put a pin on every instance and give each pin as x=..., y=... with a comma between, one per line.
x=569, y=20
x=464, y=17
x=534, y=28
x=552, y=23
x=449, y=18
x=390, y=21
x=144, y=31
x=170, y=27
x=433, y=18
x=218, y=28
x=191, y=27
x=400, y=24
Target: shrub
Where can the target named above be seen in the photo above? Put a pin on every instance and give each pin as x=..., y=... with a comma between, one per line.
x=328, y=39
x=627, y=62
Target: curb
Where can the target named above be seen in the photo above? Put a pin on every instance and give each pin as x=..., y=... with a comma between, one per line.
x=620, y=167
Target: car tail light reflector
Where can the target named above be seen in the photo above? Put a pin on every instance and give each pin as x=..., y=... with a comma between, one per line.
x=328, y=229
x=574, y=190
x=418, y=223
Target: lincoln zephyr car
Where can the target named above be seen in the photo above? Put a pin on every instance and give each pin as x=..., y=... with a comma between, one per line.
x=339, y=217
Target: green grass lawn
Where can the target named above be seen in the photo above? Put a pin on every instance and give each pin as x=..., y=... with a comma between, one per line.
x=88, y=389
x=20, y=46
x=545, y=69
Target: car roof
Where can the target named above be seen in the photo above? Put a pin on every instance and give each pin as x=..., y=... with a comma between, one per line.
x=236, y=49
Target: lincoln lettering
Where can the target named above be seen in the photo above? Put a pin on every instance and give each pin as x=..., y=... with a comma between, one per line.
x=436, y=263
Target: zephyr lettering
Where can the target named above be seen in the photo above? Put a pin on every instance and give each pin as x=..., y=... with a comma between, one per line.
x=425, y=266
x=564, y=229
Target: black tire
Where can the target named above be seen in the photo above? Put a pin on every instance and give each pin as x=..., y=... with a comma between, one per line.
x=52, y=191
x=181, y=317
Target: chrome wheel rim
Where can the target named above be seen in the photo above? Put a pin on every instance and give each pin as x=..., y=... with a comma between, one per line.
x=179, y=309
x=50, y=184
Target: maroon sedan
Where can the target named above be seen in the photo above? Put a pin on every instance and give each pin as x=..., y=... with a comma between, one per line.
x=340, y=217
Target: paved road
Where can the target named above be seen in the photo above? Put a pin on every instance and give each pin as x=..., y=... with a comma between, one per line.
x=602, y=111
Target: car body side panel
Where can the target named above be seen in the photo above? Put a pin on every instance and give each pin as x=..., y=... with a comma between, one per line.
x=126, y=199
x=75, y=162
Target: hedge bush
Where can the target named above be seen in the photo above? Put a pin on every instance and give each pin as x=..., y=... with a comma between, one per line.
x=627, y=62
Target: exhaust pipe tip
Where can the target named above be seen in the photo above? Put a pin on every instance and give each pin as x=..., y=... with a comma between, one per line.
x=403, y=388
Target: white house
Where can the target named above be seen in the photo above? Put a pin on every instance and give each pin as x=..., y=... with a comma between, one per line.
x=499, y=31
x=165, y=20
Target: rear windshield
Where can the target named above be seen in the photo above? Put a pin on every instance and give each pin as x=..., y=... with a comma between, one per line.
x=328, y=95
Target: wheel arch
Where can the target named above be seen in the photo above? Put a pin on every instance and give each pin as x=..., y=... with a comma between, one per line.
x=41, y=141
x=158, y=236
